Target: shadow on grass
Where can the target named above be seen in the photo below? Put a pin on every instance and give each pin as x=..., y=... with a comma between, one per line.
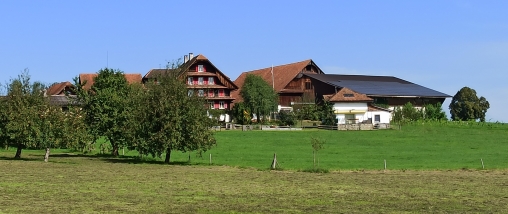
x=102, y=157
x=137, y=160
x=18, y=159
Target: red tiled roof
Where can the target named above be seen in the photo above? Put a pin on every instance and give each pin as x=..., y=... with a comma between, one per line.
x=58, y=88
x=153, y=73
x=89, y=78
x=347, y=95
x=377, y=108
x=282, y=75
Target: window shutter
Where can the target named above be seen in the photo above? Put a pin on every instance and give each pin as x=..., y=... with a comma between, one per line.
x=196, y=68
x=216, y=104
x=225, y=105
x=195, y=80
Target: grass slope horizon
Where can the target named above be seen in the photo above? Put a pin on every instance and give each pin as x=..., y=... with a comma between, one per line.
x=416, y=146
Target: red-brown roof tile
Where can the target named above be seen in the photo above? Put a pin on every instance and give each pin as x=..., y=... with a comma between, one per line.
x=282, y=75
x=58, y=88
x=347, y=95
x=89, y=79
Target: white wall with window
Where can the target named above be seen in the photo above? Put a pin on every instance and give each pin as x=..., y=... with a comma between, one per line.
x=350, y=112
x=379, y=116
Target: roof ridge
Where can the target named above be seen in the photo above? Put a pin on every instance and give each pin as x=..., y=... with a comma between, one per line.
x=279, y=65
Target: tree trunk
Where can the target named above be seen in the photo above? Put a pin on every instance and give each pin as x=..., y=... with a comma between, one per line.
x=314, y=154
x=46, y=157
x=114, y=151
x=18, y=152
x=168, y=156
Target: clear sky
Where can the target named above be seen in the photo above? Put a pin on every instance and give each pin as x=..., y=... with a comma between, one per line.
x=440, y=44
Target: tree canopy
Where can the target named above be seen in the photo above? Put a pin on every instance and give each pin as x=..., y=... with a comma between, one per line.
x=107, y=107
x=259, y=97
x=466, y=105
x=169, y=118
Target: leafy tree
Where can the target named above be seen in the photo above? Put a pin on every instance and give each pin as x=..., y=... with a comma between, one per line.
x=466, y=105
x=259, y=97
x=307, y=112
x=21, y=113
x=240, y=113
x=287, y=118
x=326, y=114
x=169, y=119
x=107, y=108
x=410, y=113
x=434, y=112
x=317, y=144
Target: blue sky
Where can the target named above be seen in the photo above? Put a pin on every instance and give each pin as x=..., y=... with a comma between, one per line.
x=444, y=45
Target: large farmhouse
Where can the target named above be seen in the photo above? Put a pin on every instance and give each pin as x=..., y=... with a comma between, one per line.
x=203, y=79
x=288, y=81
x=356, y=98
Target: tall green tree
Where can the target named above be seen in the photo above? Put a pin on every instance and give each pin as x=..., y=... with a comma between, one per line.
x=240, y=113
x=259, y=97
x=107, y=108
x=326, y=114
x=170, y=119
x=466, y=105
x=21, y=113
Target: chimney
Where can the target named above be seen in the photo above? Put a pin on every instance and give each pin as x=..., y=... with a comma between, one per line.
x=185, y=58
x=191, y=55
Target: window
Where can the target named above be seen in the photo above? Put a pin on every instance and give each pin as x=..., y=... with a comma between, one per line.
x=200, y=80
x=210, y=93
x=221, y=104
x=221, y=92
x=211, y=81
x=308, y=85
x=190, y=80
x=201, y=92
x=211, y=104
x=350, y=118
x=190, y=92
x=201, y=68
x=377, y=118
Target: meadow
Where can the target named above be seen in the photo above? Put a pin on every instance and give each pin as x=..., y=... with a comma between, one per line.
x=431, y=168
x=423, y=146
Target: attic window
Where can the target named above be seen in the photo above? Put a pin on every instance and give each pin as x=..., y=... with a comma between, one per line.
x=201, y=68
x=349, y=95
x=308, y=68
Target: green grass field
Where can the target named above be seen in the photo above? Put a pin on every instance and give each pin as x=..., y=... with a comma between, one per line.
x=413, y=147
x=431, y=169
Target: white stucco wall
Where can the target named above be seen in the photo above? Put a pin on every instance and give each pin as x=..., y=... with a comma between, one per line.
x=350, y=106
x=385, y=116
x=360, y=110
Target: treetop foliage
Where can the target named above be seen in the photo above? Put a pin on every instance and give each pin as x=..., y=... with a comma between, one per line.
x=466, y=105
x=259, y=97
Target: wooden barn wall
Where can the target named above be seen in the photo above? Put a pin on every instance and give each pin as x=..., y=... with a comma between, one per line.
x=417, y=102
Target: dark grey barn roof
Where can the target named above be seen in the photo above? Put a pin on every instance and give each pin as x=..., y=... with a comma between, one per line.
x=380, y=86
